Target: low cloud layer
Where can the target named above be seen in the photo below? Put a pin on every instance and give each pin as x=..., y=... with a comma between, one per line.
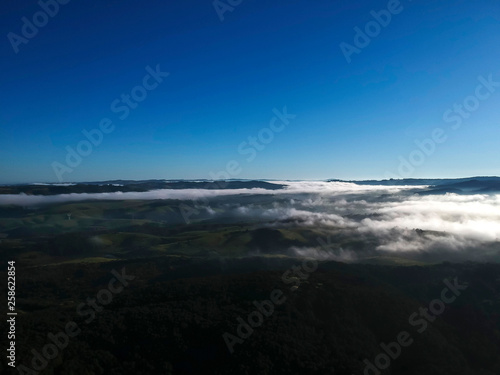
x=292, y=187
x=388, y=220
x=179, y=194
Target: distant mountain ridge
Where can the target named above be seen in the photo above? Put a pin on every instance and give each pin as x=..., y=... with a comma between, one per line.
x=422, y=181
x=133, y=186
x=468, y=185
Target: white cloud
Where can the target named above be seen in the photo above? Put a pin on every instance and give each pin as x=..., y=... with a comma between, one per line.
x=384, y=215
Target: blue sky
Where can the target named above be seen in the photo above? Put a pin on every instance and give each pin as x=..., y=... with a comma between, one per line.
x=356, y=120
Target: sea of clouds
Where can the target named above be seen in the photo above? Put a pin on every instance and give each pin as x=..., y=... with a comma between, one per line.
x=395, y=219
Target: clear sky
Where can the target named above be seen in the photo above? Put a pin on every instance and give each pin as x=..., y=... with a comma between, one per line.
x=229, y=77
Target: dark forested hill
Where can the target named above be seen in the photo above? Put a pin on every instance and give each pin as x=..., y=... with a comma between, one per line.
x=172, y=317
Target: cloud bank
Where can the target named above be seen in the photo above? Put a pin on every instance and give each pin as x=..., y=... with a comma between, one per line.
x=366, y=219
